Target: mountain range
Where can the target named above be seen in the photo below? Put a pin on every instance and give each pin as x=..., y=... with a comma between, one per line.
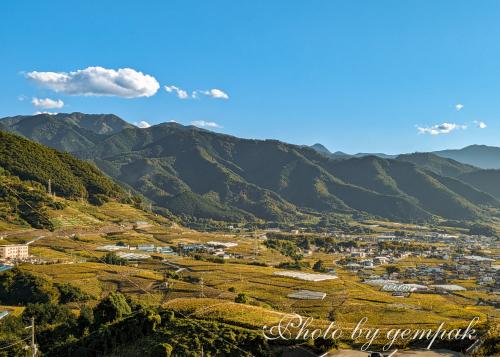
x=480, y=156
x=197, y=173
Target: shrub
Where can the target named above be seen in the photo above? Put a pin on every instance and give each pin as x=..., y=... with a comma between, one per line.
x=241, y=298
x=111, y=308
x=18, y=287
x=70, y=293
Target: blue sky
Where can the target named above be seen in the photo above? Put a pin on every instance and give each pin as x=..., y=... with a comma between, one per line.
x=357, y=76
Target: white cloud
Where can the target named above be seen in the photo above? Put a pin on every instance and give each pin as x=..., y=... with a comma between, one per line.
x=48, y=113
x=444, y=128
x=142, y=124
x=480, y=124
x=215, y=93
x=98, y=81
x=181, y=93
x=459, y=107
x=47, y=103
x=205, y=124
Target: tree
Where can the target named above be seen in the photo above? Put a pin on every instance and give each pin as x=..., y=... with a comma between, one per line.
x=86, y=318
x=391, y=269
x=70, y=293
x=482, y=230
x=319, y=266
x=324, y=344
x=112, y=258
x=297, y=257
x=241, y=298
x=332, y=315
x=47, y=313
x=18, y=287
x=111, y=308
x=162, y=349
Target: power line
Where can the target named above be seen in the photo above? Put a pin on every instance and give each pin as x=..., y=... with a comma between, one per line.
x=159, y=302
x=138, y=286
x=16, y=343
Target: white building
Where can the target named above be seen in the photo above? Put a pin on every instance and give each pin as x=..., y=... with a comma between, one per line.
x=14, y=251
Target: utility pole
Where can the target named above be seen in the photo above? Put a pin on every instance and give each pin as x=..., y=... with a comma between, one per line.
x=202, y=294
x=33, y=345
x=256, y=252
x=49, y=187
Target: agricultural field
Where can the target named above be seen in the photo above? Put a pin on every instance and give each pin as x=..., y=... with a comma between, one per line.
x=202, y=286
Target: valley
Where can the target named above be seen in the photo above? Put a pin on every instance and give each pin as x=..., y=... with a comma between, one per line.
x=150, y=242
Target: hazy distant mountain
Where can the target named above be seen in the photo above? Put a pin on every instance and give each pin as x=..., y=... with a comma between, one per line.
x=482, y=156
x=342, y=155
x=321, y=148
x=199, y=173
x=334, y=155
x=437, y=164
x=476, y=185
x=377, y=154
x=485, y=180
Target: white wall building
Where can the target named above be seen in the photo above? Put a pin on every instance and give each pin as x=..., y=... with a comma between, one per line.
x=14, y=251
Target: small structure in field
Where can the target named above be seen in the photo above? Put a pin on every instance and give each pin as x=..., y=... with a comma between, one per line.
x=307, y=295
x=141, y=224
x=146, y=247
x=110, y=248
x=222, y=244
x=5, y=267
x=403, y=288
x=448, y=287
x=306, y=276
x=133, y=256
x=380, y=282
x=165, y=250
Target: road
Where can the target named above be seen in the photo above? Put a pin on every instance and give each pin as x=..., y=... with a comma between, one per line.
x=35, y=239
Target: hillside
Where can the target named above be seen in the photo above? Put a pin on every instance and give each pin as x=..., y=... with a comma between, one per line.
x=482, y=156
x=437, y=164
x=484, y=180
x=70, y=177
x=65, y=132
x=23, y=203
x=430, y=192
x=195, y=172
